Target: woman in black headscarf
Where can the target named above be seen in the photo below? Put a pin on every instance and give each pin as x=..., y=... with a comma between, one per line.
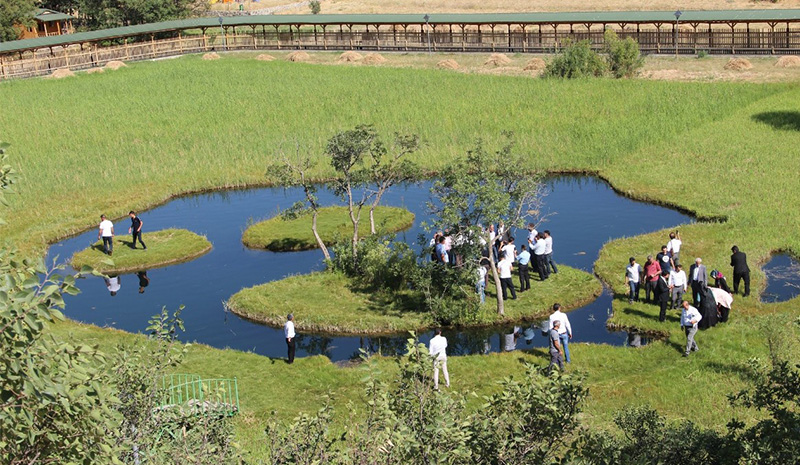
x=708, y=308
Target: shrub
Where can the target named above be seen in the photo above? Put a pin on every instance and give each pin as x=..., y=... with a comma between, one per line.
x=383, y=264
x=623, y=56
x=576, y=60
x=315, y=7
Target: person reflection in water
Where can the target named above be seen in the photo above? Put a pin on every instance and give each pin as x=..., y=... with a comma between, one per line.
x=510, y=339
x=112, y=284
x=144, y=281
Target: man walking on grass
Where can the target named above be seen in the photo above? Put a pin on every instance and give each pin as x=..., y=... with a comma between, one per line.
x=740, y=271
x=136, y=230
x=438, y=349
x=106, y=232
x=564, y=329
x=689, y=319
x=556, y=352
x=288, y=333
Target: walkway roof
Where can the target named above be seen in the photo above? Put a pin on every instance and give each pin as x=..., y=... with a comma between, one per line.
x=597, y=17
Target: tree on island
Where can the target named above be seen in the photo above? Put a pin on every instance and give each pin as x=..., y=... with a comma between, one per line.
x=485, y=188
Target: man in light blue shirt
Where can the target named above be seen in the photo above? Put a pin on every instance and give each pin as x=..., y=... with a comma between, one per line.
x=690, y=316
x=524, y=259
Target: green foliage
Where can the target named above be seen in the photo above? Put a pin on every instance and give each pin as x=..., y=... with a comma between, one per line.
x=449, y=292
x=14, y=13
x=8, y=176
x=702, y=53
x=384, y=264
x=315, y=7
x=624, y=58
x=576, y=60
x=102, y=14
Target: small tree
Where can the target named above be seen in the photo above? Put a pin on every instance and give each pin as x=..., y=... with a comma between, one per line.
x=486, y=188
x=623, y=56
x=292, y=172
x=576, y=60
x=391, y=167
x=315, y=7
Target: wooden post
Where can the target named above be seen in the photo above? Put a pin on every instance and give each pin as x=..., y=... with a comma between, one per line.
x=253, y=27
x=405, y=35
x=350, y=35
x=324, y=37
x=772, y=37
x=540, y=37
x=180, y=42
x=710, y=38
x=277, y=37
x=96, y=56
x=658, y=37
x=66, y=55
x=524, y=37
x=555, y=35
x=509, y=37
x=153, y=44
x=492, y=26
x=463, y=44
x=2, y=67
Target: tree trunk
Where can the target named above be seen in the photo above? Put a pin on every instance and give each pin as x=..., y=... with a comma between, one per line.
x=372, y=220
x=316, y=236
x=497, y=285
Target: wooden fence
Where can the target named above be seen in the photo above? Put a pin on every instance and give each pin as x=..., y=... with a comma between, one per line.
x=453, y=39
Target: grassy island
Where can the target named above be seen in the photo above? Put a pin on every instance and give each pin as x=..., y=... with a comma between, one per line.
x=165, y=247
x=330, y=302
x=288, y=235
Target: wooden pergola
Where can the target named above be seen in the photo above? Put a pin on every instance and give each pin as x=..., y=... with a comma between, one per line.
x=715, y=32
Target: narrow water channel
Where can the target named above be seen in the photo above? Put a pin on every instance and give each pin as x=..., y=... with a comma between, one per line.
x=586, y=213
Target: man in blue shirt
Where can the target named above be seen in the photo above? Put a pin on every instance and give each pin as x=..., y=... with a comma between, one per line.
x=524, y=259
x=441, y=252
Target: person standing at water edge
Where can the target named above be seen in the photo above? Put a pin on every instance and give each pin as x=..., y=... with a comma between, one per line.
x=524, y=259
x=288, y=332
x=548, y=252
x=556, y=353
x=480, y=285
x=690, y=316
x=438, y=349
x=674, y=246
x=740, y=271
x=106, y=232
x=505, y=267
x=136, y=230
x=633, y=275
x=564, y=329
x=539, y=257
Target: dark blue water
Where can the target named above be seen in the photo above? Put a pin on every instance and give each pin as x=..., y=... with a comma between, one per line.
x=584, y=214
x=783, y=279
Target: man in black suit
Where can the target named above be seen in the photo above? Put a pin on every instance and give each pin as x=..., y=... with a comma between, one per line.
x=662, y=294
x=740, y=270
x=698, y=278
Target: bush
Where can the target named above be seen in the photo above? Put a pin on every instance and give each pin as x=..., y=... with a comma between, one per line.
x=383, y=263
x=576, y=60
x=315, y=7
x=624, y=59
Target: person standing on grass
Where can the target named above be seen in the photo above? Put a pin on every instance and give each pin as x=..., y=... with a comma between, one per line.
x=506, y=267
x=548, y=252
x=556, y=352
x=136, y=230
x=106, y=233
x=438, y=349
x=532, y=233
x=564, y=329
x=740, y=271
x=674, y=246
x=540, y=259
x=633, y=274
x=509, y=250
x=662, y=295
x=698, y=278
x=677, y=285
x=651, y=270
x=690, y=316
x=664, y=260
x=480, y=285
x=441, y=253
x=524, y=259
x=289, y=334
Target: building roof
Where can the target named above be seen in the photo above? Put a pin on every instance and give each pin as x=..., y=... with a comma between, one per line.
x=596, y=17
x=44, y=15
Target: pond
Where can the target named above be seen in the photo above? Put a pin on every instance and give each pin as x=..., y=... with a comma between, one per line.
x=586, y=213
x=783, y=279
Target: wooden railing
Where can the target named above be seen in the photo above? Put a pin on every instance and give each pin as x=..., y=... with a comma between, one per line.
x=713, y=41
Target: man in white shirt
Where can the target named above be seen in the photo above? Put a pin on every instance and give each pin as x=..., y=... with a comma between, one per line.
x=505, y=267
x=633, y=273
x=564, y=328
x=532, y=233
x=288, y=333
x=106, y=232
x=674, y=246
x=438, y=349
x=113, y=284
x=689, y=319
x=540, y=258
x=677, y=285
x=509, y=249
x=480, y=284
x=548, y=252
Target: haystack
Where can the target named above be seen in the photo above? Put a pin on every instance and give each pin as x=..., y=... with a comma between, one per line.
x=789, y=61
x=374, y=59
x=349, y=57
x=265, y=57
x=298, y=56
x=738, y=64
x=94, y=70
x=211, y=56
x=535, y=64
x=447, y=64
x=61, y=73
x=115, y=65
x=497, y=59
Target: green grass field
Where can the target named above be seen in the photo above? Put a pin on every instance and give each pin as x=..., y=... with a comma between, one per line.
x=281, y=235
x=165, y=247
x=720, y=150
x=331, y=303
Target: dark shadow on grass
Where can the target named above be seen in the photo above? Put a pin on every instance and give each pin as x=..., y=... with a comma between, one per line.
x=671, y=317
x=784, y=120
x=385, y=302
x=744, y=372
x=289, y=244
x=99, y=248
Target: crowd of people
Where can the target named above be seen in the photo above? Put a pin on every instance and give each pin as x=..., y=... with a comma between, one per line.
x=664, y=278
